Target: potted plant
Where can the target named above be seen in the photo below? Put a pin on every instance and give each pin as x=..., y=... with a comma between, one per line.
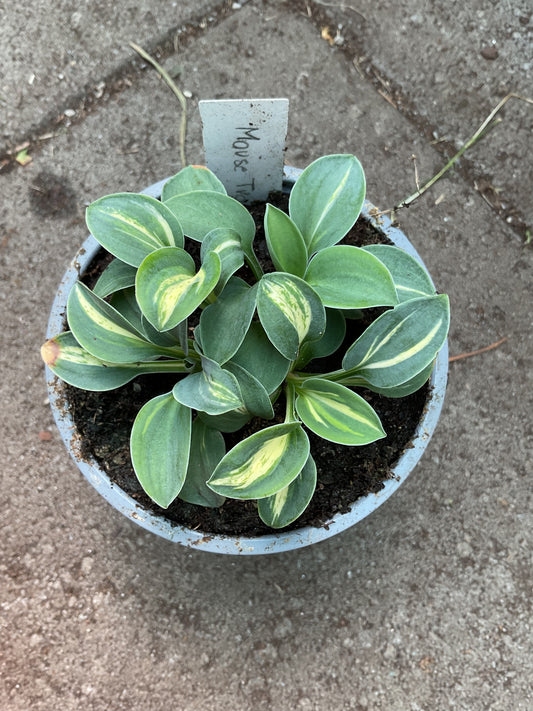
x=253, y=348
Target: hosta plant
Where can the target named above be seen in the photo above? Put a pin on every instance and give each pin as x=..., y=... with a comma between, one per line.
x=245, y=344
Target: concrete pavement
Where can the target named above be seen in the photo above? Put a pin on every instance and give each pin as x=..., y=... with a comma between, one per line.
x=427, y=603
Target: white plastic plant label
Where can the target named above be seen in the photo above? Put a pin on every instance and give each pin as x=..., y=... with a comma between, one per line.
x=244, y=142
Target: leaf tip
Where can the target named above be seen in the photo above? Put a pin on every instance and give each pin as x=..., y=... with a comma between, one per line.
x=50, y=352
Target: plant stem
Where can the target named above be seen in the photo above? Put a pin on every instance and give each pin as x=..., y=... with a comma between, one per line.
x=181, y=98
x=290, y=396
x=157, y=366
x=482, y=130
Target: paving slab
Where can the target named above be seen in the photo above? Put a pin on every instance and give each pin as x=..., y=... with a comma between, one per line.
x=57, y=57
x=424, y=605
x=447, y=66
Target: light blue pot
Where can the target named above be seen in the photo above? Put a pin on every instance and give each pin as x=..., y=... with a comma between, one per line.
x=272, y=542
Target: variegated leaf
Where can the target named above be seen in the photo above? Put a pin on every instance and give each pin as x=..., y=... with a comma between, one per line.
x=160, y=444
x=207, y=449
x=104, y=332
x=168, y=289
x=401, y=342
x=263, y=463
x=131, y=226
x=223, y=325
x=328, y=344
x=347, y=277
x=202, y=211
x=336, y=413
x=290, y=311
x=213, y=390
x=226, y=244
x=409, y=276
x=326, y=200
x=287, y=505
x=73, y=364
x=285, y=242
x=116, y=276
x=193, y=177
x=258, y=356
x=407, y=388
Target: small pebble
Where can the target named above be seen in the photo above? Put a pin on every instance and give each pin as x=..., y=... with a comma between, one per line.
x=489, y=53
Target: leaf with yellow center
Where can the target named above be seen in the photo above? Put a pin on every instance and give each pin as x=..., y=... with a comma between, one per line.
x=290, y=311
x=168, y=289
x=262, y=464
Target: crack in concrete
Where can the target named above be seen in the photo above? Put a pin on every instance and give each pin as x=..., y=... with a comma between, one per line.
x=390, y=91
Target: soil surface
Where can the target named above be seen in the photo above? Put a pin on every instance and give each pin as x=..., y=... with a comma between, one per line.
x=344, y=474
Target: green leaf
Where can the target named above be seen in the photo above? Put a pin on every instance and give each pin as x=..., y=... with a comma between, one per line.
x=193, y=177
x=131, y=226
x=207, y=449
x=407, y=388
x=285, y=242
x=214, y=390
x=290, y=311
x=287, y=505
x=167, y=288
x=223, y=325
x=104, y=332
x=258, y=356
x=347, y=277
x=263, y=463
x=336, y=413
x=401, y=342
x=226, y=244
x=73, y=364
x=125, y=303
x=328, y=344
x=202, y=211
x=160, y=444
x=116, y=276
x=254, y=395
x=410, y=278
x=326, y=200
x=227, y=422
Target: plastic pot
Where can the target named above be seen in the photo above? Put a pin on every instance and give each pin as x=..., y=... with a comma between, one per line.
x=274, y=542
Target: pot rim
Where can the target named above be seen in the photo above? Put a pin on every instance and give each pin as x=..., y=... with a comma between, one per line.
x=274, y=542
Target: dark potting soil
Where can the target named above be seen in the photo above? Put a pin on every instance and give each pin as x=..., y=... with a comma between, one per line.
x=344, y=474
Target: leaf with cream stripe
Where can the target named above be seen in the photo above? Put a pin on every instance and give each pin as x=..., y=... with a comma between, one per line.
x=290, y=312
x=73, y=364
x=401, y=342
x=104, y=332
x=287, y=505
x=130, y=226
x=168, y=289
x=326, y=200
x=262, y=464
x=213, y=390
x=193, y=177
x=226, y=244
x=410, y=278
x=285, y=242
x=336, y=413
